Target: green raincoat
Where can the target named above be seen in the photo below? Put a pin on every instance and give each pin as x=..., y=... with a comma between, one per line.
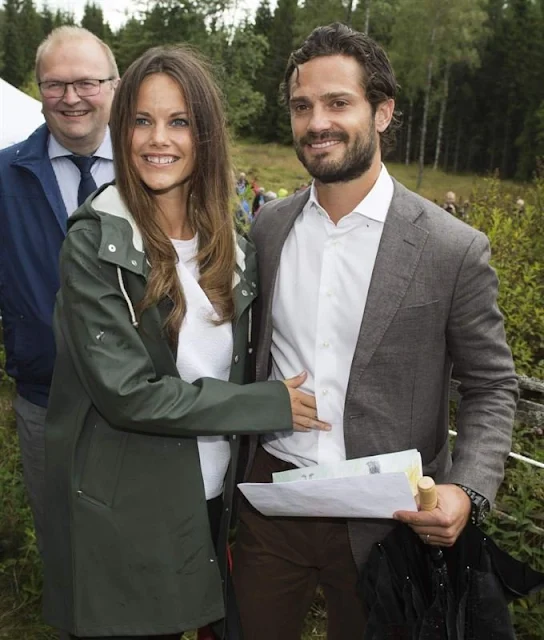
x=128, y=549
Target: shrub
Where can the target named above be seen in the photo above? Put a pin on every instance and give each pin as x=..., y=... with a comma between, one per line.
x=517, y=242
x=20, y=566
x=520, y=531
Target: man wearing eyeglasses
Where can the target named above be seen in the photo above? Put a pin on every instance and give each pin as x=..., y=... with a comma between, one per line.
x=42, y=181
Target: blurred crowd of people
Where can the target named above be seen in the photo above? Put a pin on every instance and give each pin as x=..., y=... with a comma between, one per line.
x=253, y=196
x=462, y=210
x=451, y=205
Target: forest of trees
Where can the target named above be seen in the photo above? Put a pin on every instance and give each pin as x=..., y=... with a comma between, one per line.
x=471, y=72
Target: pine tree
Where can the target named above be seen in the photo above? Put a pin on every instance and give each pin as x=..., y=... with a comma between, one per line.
x=47, y=20
x=131, y=42
x=93, y=19
x=238, y=57
x=461, y=36
x=314, y=13
x=376, y=18
x=525, y=60
x=263, y=19
x=63, y=18
x=14, y=56
x=274, y=124
x=169, y=21
x=30, y=26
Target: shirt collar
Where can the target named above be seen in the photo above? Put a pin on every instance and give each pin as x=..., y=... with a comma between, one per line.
x=374, y=205
x=56, y=150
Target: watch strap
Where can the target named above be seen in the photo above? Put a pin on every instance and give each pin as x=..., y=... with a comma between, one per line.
x=479, y=505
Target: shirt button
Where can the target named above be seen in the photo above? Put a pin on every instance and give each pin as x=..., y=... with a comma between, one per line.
x=244, y=292
x=112, y=248
x=134, y=263
x=325, y=392
x=254, y=284
x=326, y=345
x=236, y=359
x=329, y=293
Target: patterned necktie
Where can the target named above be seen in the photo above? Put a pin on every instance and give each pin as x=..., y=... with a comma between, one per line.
x=86, y=184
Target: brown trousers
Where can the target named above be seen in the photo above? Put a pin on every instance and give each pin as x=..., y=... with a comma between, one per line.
x=279, y=562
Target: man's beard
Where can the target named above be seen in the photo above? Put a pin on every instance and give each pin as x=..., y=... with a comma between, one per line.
x=356, y=160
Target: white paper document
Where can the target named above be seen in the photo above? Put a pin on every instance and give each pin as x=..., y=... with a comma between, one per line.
x=349, y=489
x=408, y=461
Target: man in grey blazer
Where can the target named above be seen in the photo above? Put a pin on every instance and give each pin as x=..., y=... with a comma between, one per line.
x=378, y=295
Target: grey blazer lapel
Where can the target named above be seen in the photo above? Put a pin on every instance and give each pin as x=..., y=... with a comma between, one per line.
x=400, y=250
x=269, y=254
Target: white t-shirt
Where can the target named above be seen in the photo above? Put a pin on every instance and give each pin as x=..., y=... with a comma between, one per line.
x=204, y=350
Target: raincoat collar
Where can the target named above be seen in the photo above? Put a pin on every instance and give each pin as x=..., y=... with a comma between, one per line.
x=122, y=242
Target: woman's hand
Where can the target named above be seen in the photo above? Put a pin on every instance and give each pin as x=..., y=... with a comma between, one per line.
x=303, y=406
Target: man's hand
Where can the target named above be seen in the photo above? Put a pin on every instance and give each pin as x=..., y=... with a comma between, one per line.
x=441, y=526
x=303, y=406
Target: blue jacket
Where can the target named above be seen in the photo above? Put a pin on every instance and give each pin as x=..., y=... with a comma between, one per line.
x=33, y=226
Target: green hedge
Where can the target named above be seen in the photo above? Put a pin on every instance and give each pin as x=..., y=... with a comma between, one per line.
x=517, y=253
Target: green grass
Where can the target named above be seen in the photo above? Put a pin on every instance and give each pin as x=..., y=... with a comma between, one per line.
x=275, y=166
x=20, y=582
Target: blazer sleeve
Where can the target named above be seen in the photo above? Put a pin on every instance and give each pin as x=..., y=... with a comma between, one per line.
x=118, y=374
x=482, y=362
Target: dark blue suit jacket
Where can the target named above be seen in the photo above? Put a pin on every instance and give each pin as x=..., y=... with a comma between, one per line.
x=33, y=226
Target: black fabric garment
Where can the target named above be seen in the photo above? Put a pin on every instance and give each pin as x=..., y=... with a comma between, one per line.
x=416, y=592
x=86, y=184
x=215, y=509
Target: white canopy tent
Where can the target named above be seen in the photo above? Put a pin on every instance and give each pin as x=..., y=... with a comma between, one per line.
x=19, y=114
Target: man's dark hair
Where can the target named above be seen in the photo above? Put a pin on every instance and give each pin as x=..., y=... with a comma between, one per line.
x=377, y=76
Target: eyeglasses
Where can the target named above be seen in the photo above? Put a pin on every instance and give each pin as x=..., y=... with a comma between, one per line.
x=83, y=88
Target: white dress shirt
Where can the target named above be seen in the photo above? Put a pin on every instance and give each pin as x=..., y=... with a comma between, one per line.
x=204, y=350
x=319, y=300
x=67, y=174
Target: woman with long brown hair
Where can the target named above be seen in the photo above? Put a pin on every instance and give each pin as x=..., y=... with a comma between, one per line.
x=153, y=325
